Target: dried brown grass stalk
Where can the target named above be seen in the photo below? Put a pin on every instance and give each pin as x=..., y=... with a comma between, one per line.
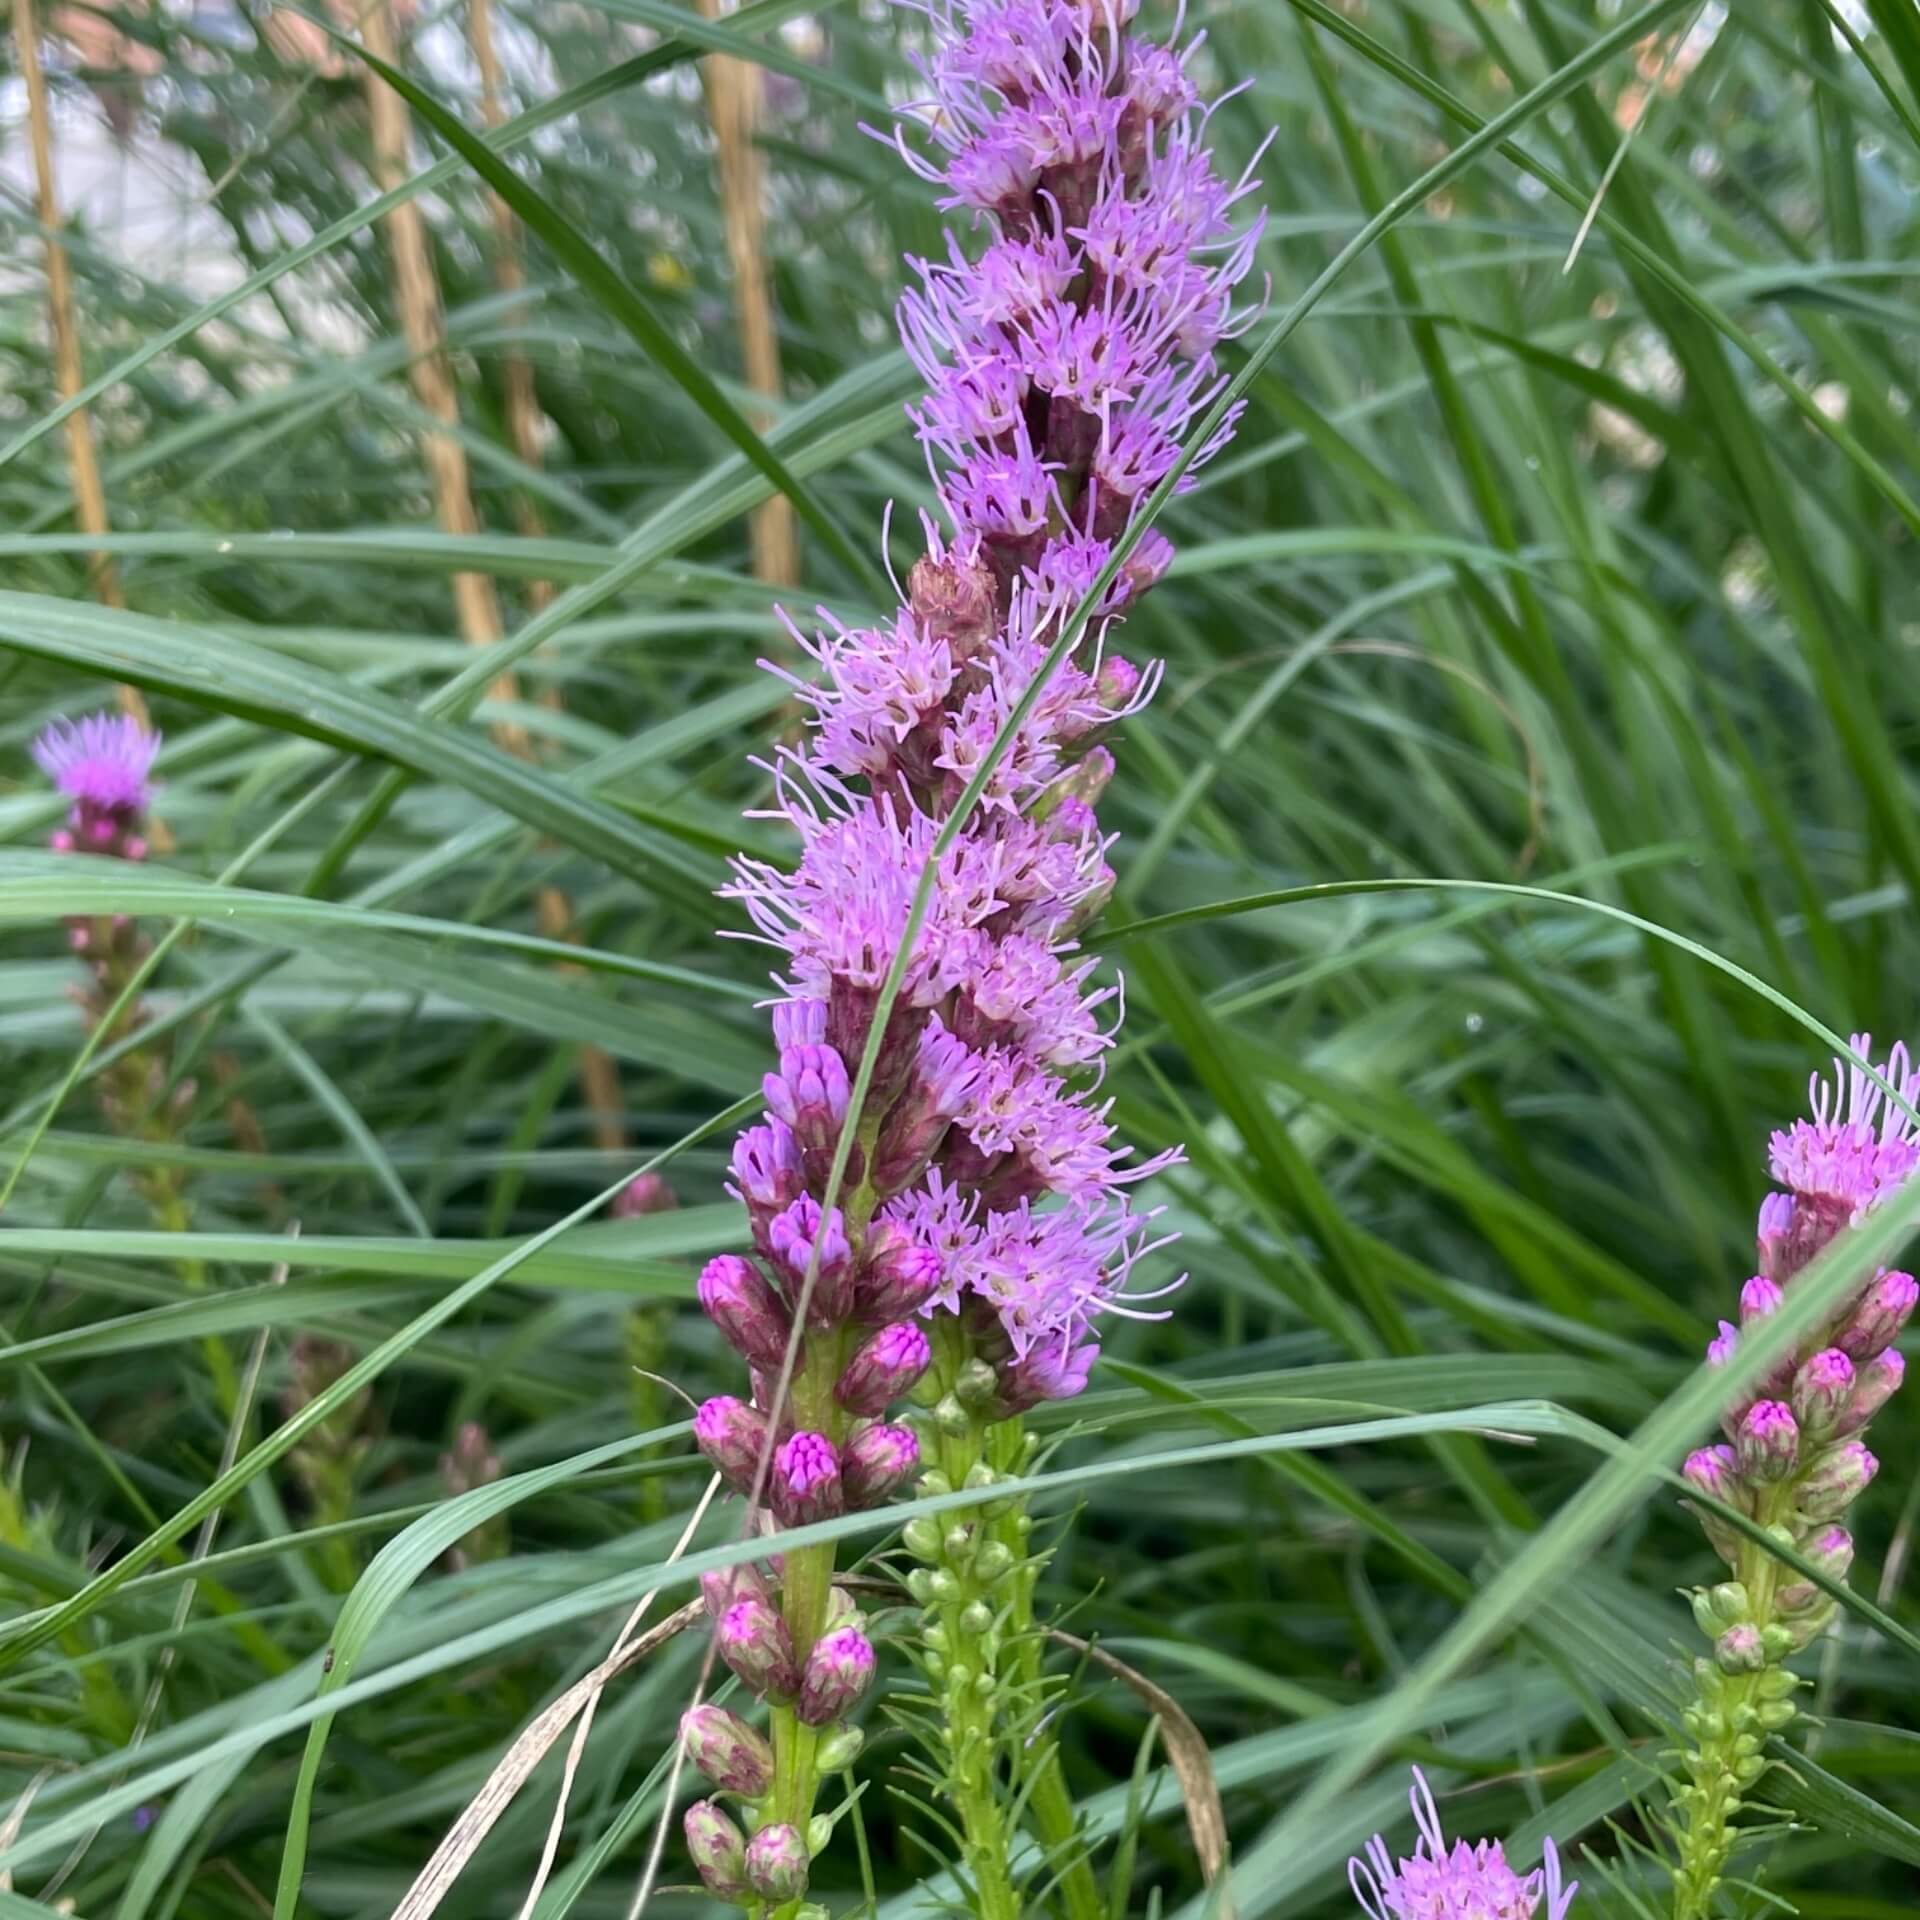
x=733, y=108
x=599, y=1077
x=89, y=496
x=416, y=292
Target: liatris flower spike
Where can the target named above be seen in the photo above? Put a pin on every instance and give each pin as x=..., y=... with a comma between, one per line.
x=103, y=763
x=985, y=1194
x=1794, y=1460
x=1461, y=1882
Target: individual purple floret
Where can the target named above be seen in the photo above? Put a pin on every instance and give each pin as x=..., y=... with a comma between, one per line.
x=1462, y=1882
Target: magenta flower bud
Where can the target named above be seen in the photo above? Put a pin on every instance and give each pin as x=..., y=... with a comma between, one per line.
x=735, y=1296
x=884, y=1367
x=718, y=1850
x=1767, y=1445
x=838, y=1672
x=1740, y=1649
x=899, y=1277
x=799, y=1023
x=805, y=1483
x=644, y=1193
x=733, y=1755
x=753, y=1640
x=1878, y=1316
x=733, y=1436
x=875, y=1462
x=1821, y=1390
x=1047, y=1373
x=1758, y=1298
x=810, y=1093
x=777, y=1862
x=1836, y=1481
x=946, y=1072
x=1117, y=684
x=799, y=1240
x=1879, y=1380
x=1715, y=1472
x=1831, y=1550
x=1721, y=1348
x=720, y=1587
x=955, y=596
x=767, y=1174
x=1775, y=1233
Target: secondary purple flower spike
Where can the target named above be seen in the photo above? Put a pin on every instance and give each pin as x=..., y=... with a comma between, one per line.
x=1462, y=1882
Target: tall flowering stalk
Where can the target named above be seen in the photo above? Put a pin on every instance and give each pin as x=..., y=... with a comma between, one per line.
x=1465, y=1881
x=986, y=1221
x=1795, y=1458
x=103, y=763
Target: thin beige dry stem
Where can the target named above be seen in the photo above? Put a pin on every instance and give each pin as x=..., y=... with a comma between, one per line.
x=577, y=1748
x=733, y=107
x=502, y=1785
x=63, y=325
x=416, y=293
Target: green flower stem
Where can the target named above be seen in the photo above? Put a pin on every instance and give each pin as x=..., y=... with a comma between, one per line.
x=806, y=1593
x=968, y=1610
x=1049, y=1802
x=1734, y=1714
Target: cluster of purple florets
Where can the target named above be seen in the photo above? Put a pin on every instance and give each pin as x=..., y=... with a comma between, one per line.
x=1465, y=1881
x=1800, y=1429
x=1067, y=349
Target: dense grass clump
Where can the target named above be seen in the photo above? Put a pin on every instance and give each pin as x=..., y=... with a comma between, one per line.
x=1530, y=803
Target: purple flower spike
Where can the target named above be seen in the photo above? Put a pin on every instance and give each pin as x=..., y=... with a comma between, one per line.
x=814, y=1259
x=776, y=1862
x=1461, y=1882
x=885, y=1366
x=753, y=1641
x=838, y=1672
x=1767, y=1444
x=733, y=1436
x=735, y=1757
x=718, y=1850
x=875, y=1462
x=102, y=762
x=805, y=1483
x=735, y=1296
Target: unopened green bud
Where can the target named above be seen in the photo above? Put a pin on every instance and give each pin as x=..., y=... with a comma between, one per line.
x=976, y=1618
x=1740, y=1650
x=934, y=1482
x=819, y=1834
x=957, y=1545
x=839, y=1748
x=943, y=1586
x=951, y=1417
x=1775, y=1714
x=921, y=1537
x=993, y=1561
x=975, y=1385
x=920, y=1585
